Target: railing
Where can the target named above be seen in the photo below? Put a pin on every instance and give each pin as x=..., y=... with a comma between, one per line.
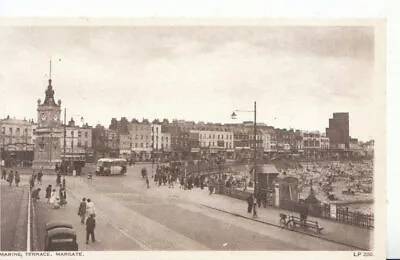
x=354, y=218
x=343, y=215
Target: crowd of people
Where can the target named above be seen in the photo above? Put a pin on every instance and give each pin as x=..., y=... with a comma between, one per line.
x=11, y=177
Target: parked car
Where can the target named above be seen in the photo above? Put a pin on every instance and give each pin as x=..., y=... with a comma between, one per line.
x=60, y=237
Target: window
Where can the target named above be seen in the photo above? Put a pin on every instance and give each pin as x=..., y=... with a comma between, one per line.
x=79, y=134
x=86, y=134
x=72, y=133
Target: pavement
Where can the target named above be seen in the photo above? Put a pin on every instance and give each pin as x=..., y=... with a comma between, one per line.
x=138, y=226
x=13, y=216
x=358, y=237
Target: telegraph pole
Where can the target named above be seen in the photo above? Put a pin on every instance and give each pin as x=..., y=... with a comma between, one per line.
x=65, y=140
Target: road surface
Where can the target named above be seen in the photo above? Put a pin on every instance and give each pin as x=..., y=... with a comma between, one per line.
x=132, y=217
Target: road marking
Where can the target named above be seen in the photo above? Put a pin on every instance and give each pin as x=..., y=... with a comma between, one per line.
x=28, y=235
x=141, y=244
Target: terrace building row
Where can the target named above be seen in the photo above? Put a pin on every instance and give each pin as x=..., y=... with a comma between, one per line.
x=182, y=139
x=178, y=139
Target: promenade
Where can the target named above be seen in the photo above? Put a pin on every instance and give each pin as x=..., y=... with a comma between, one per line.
x=114, y=218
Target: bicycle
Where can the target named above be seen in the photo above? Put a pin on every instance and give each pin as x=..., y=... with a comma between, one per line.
x=286, y=222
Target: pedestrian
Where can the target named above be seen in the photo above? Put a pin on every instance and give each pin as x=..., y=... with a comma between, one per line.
x=54, y=199
x=303, y=212
x=39, y=177
x=89, y=176
x=3, y=174
x=82, y=210
x=58, y=179
x=144, y=172
x=254, y=206
x=250, y=203
x=64, y=183
x=182, y=183
x=62, y=196
x=48, y=193
x=90, y=226
x=35, y=194
x=159, y=181
x=210, y=187
x=10, y=178
x=31, y=182
x=147, y=182
x=17, y=178
x=90, y=207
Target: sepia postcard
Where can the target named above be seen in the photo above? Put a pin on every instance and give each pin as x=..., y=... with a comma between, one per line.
x=192, y=138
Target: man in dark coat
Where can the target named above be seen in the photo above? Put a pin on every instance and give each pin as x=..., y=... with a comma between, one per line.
x=90, y=226
x=3, y=174
x=58, y=179
x=303, y=210
x=39, y=177
x=48, y=192
x=250, y=203
x=82, y=210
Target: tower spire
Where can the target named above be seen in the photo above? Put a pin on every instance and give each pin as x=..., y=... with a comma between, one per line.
x=50, y=70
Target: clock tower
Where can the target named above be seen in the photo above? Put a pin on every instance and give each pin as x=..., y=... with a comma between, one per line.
x=47, y=152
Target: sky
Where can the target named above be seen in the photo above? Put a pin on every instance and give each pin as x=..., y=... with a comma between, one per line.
x=299, y=76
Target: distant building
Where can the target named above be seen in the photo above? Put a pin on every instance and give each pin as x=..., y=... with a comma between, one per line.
x=156, y=137
x=141, y=135
x=17, y=141
x=125, y=146
x=315, y=144
x=338, y=131
x=78, y=142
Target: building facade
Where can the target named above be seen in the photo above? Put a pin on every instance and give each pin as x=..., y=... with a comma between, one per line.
x=338, y=131
x=77, y=143
x=17, y=141
x=125, y=146
x=141, y=135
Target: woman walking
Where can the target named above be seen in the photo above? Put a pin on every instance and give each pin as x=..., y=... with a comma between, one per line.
x=10, y=178
x=17, y=178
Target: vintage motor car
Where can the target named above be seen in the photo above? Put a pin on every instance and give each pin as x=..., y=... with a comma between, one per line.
x=60, y=237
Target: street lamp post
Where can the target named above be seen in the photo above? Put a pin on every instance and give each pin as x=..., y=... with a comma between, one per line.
x=234, y=116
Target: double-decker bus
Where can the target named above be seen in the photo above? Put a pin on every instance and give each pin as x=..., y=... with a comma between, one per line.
x=111, y=166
